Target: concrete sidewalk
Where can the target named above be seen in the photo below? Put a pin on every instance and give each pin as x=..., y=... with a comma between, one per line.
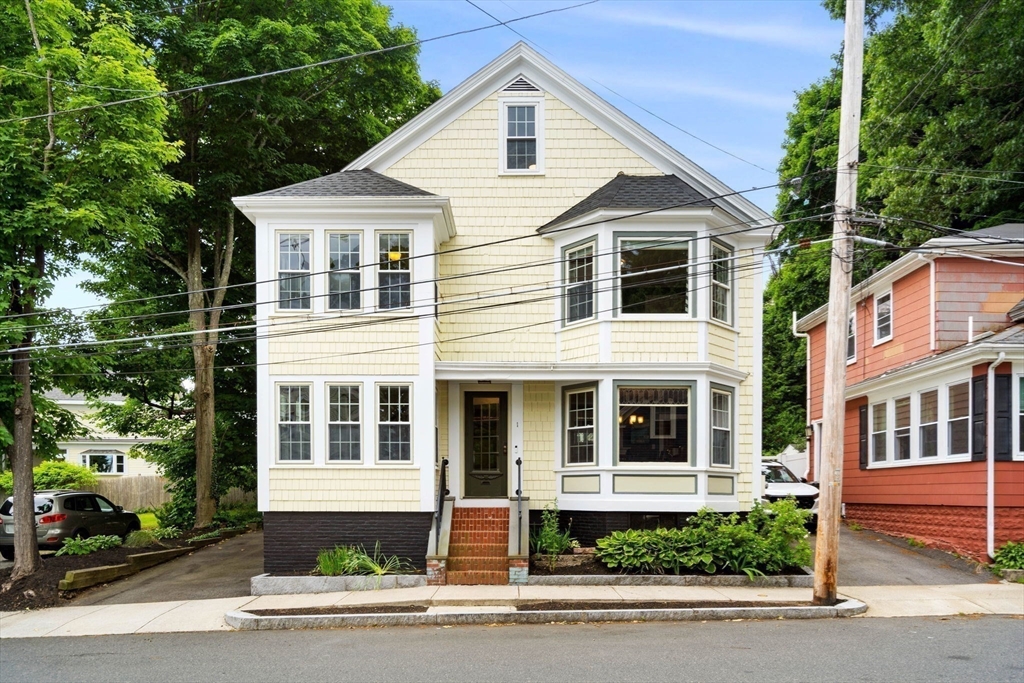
x=208, y=615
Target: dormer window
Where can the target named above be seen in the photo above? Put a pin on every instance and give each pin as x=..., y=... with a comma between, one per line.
x=522, y=150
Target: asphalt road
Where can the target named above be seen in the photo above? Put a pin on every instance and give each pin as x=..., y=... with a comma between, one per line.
x=904, y=649
x=217, y=571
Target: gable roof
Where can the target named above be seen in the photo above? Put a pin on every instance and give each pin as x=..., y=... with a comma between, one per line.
x=355, y=183
x=635, y=192
x=522, y=61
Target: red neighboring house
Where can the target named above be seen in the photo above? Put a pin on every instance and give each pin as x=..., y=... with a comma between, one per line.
x=934, y=434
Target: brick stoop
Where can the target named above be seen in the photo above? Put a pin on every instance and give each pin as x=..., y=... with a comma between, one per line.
x=478, y=552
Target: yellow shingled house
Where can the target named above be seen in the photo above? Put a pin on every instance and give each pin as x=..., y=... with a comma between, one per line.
x=519, y=296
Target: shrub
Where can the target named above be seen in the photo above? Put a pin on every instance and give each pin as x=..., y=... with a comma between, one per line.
x=179, y=512
x=141, y=539
x=549, y=539
x=771, y=538
x=84, y=546
x=54, y=474
x=238, y=515
x=166, y=532
x=207, y=536
x=1010, y=556
x=350, y=560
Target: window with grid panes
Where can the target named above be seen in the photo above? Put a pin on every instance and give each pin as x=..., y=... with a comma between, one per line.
x=721, y=283
x=580, y=427
x=394, y=428
x=851, y=338
x=958, y=418
x=343, y=431
x=929, y=423
x=879, y=435
x=721, y=428
x=293, y=423
x=883, y=317
x=394, y=277
x=293, y=271
x=579, y=291
x=521, y=137
x=343, y=281
x=902, y=429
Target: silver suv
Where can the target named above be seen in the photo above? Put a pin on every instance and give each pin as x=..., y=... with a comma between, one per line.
x=67, y=514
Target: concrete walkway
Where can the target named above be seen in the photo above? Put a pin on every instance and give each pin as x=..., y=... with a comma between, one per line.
x=208, y=615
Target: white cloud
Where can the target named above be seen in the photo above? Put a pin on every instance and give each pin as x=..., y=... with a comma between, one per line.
x=805, y=38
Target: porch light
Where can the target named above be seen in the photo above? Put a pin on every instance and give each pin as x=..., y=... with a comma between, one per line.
x=640, y=419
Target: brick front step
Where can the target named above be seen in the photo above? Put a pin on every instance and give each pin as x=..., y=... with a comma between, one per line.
x=467, y=537
x=478, y=550
x=478, y=578
x=465, y=564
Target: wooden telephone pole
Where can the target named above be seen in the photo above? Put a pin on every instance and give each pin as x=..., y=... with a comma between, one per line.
x=826, y=555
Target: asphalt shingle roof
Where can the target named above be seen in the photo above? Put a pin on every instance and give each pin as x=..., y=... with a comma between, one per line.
x=358, y=183
x=635, y=192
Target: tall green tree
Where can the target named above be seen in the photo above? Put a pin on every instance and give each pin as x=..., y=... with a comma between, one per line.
x=942, y=146
x=70, y=183
x=250, y=137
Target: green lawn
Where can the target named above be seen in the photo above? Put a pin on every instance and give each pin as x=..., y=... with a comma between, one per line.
x=148, y=520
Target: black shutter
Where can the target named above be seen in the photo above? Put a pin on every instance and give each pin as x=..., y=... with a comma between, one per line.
x=1004, y=424
x=863, y=437
x=978, y=385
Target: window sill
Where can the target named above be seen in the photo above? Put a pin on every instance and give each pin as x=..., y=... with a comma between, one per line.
x=879, y=342
x=396, y=464
x=723, y=325
x=580, y=323
x=654, y=317
x=851, y=361
x=293, y=463
x=508, y=173
x=914, y=462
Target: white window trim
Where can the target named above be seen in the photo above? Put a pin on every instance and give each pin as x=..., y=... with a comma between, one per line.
x=913, y=400
x=731, y=395
x=945, y=419
x=917, y=425
x=120, y=465
x=892, y=317
x=377, y=423
x=513, y=101
x=328, y=423
x=872, y=433
x=362, y=270
x=409, y=310
x=277, y=272
x=277, y=423
x=592, y=243
x=1016, y=408
x=691, y=463
x=850, y=360
x=566, y=392
x=729, y=258
x=654, y=237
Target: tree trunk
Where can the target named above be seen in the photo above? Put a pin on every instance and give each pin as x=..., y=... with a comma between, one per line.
x=26, y=550
x=204, y=433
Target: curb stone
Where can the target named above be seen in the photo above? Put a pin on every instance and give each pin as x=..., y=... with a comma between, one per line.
x=243, y=621
x=265, y=584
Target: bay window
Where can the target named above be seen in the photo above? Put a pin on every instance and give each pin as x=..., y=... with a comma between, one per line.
x=579, y=279
x=721, y=428
x=343, y=282
x=394, y=275
x=579, y=423
x=654, y=276
x=721, y=283
x=654, y=424
x=293, y=271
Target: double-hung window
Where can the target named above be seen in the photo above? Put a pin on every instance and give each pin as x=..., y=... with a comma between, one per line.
x=580, y=410
x=654, y=424
x=721, y=428
x=579, y=278
x=654, y=276
x=851, y=339
x=883, y=317
x=929, y=423
x=394, y=276
x=958, y=418
x=293, y=270
x=293, y=424
x=394, y=427
x=521, y=137
x=343, y=442
x=902, y=426
x=721, y=283
x=343, y=281
x=879, y=435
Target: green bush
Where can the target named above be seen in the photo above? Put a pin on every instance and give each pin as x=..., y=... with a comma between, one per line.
x=166, y=532
x=178, y=512
x=770, y=538
x=238, y=515
x=54, y=474
x=1010, y=556
x=141, y=539
x=350, y=560
x=548, y=539
x=84, y=546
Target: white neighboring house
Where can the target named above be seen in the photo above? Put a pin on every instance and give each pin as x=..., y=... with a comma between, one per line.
x=525, y=285
x=104, y=452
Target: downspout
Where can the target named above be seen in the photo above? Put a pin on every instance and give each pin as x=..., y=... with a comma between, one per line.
x=990, y=456
x=807, y=391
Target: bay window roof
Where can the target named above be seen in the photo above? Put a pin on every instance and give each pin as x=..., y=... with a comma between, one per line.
x=358, y=183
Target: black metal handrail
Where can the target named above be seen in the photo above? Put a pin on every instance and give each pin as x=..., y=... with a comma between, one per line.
x=519, y=503
x=442, y=491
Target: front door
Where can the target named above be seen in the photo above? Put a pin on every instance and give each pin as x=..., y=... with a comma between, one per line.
x=486, y=448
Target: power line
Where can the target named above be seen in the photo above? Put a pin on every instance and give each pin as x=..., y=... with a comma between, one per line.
x=960, y=174
x=301, y=67
x=71, y=83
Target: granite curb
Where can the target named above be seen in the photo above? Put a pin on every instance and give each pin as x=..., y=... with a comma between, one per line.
x=265, y=584
x=244, y=621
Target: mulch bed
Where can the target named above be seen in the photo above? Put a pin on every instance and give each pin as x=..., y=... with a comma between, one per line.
x=40, y=589
x=591, y=566
x=327, y=611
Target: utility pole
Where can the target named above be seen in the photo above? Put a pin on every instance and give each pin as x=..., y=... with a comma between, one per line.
x=826, y=554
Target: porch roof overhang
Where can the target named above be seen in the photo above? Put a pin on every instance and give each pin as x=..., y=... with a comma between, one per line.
x=567, y=372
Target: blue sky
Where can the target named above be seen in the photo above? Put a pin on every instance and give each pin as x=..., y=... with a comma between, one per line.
x=724, y=70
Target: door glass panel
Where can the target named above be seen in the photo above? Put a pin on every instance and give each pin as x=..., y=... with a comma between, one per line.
x=486, y=433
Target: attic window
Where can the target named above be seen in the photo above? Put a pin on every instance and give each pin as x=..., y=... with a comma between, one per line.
x=522, y=136
x=521, y=85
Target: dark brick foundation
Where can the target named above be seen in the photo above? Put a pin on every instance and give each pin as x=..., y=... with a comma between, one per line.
x=588, y=526
x=291, y=540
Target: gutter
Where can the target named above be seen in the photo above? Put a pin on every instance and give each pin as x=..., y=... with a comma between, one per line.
x=990, y=456
x=807, y=392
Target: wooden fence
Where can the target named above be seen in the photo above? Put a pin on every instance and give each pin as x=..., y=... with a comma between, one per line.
x=133, y=493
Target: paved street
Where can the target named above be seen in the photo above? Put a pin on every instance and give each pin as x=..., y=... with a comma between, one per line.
x=905, y=649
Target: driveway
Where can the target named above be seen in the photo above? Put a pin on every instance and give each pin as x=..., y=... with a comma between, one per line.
x=870, y=559
x=218, y=571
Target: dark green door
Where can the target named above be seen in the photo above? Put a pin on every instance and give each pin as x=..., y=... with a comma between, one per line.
x=486, y=444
